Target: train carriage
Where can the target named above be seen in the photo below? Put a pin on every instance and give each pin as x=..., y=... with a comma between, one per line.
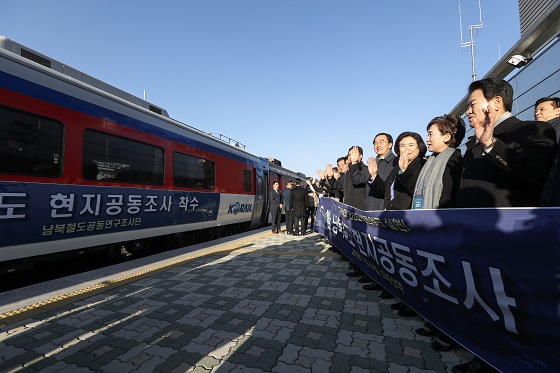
x=86, y=165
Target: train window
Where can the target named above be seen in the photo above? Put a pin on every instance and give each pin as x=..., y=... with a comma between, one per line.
x=111, y=158
x=31, y=145
x=193, y=172
x=247, y=181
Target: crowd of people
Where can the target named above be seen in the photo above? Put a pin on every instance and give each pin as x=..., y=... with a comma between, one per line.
x=507, y=163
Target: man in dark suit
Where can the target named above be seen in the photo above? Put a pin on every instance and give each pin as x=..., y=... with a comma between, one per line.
x=288, y=208
x=547, y=109
x=506, y=161
x=298, y=204
x=355, y=179
x=386, y=161
x=275, y=207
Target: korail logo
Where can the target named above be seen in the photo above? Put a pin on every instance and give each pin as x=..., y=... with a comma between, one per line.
x=238, y=207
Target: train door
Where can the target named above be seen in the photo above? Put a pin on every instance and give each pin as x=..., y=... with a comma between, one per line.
x=260, y=211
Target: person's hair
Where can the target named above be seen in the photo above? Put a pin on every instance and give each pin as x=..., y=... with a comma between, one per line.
x=341, y=159
x=419, y=141
x=275, y=182
x=389, y=137
x=360, y=150
x=493, y=87
x=554, y=100
x=452, y=125
x=335, y=169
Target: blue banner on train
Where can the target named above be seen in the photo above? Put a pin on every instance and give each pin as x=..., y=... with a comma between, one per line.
x=53, y=212
x=489, y=278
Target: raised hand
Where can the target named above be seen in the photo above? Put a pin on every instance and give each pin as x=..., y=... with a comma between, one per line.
x=372, y=167
x=329, y=170
x=485, y=131
x=404, y=161
x=354, y=155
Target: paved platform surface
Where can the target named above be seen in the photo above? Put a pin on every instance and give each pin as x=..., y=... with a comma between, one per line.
x=263, y=303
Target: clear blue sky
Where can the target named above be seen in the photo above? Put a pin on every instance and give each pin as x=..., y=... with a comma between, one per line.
x=298, y=80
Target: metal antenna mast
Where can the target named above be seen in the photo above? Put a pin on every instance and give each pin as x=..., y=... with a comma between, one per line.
x=465, y=44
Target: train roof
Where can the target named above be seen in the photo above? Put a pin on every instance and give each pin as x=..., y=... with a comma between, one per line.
x=78, y=77
x=51, y=63
x=56, y=68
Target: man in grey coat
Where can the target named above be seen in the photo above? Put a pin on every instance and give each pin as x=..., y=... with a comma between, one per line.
x=386, y=161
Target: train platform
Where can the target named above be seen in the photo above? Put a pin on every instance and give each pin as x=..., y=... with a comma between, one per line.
x=257, y=302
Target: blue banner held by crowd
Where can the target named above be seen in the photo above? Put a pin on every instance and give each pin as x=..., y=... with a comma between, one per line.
x=489, y=278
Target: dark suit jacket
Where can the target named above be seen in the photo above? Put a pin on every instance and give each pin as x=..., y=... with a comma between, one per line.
x=275, y=200
x=512, y=174
x=354, y=184
x=375, y=200
x=298, y=201
x=403, y=187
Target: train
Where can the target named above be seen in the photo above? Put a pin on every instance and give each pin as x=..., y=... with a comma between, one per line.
x=87, y=167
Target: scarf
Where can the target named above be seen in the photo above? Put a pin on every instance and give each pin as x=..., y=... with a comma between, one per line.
x=430, y=180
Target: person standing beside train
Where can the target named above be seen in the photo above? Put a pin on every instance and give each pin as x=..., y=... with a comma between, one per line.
x=288, y=207
x=298, y=204
x=275, y=207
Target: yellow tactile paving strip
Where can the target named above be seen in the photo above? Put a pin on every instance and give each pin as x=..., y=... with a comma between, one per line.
x=48, y=304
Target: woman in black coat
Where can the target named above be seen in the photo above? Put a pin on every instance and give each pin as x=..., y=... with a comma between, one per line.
x=398, y=188
x=438, y=184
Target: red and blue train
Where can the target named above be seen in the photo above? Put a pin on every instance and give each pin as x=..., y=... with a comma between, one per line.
x=85, y=167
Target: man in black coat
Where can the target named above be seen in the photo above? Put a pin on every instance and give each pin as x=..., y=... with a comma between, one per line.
x=354, y=181
x=508, y=160
x=298, y=204
x=288, y=208
x=547, y=109
x=275, y=207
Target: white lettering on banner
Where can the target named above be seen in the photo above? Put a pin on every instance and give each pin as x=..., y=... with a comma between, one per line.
x=166, y=205
x=371, y=252
x=386, y=256
x=71, y=228
x=396, y=224
x=407, y=264
x=151, y=204
x=184, y=202
x=431, y=269
x=503, y=301
x=7, y=210
x=194, y=203
x=356, y=238
x=87, y=206
x=62, y=205
x=393, y=223
x=134, y=203
x=115, y=201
